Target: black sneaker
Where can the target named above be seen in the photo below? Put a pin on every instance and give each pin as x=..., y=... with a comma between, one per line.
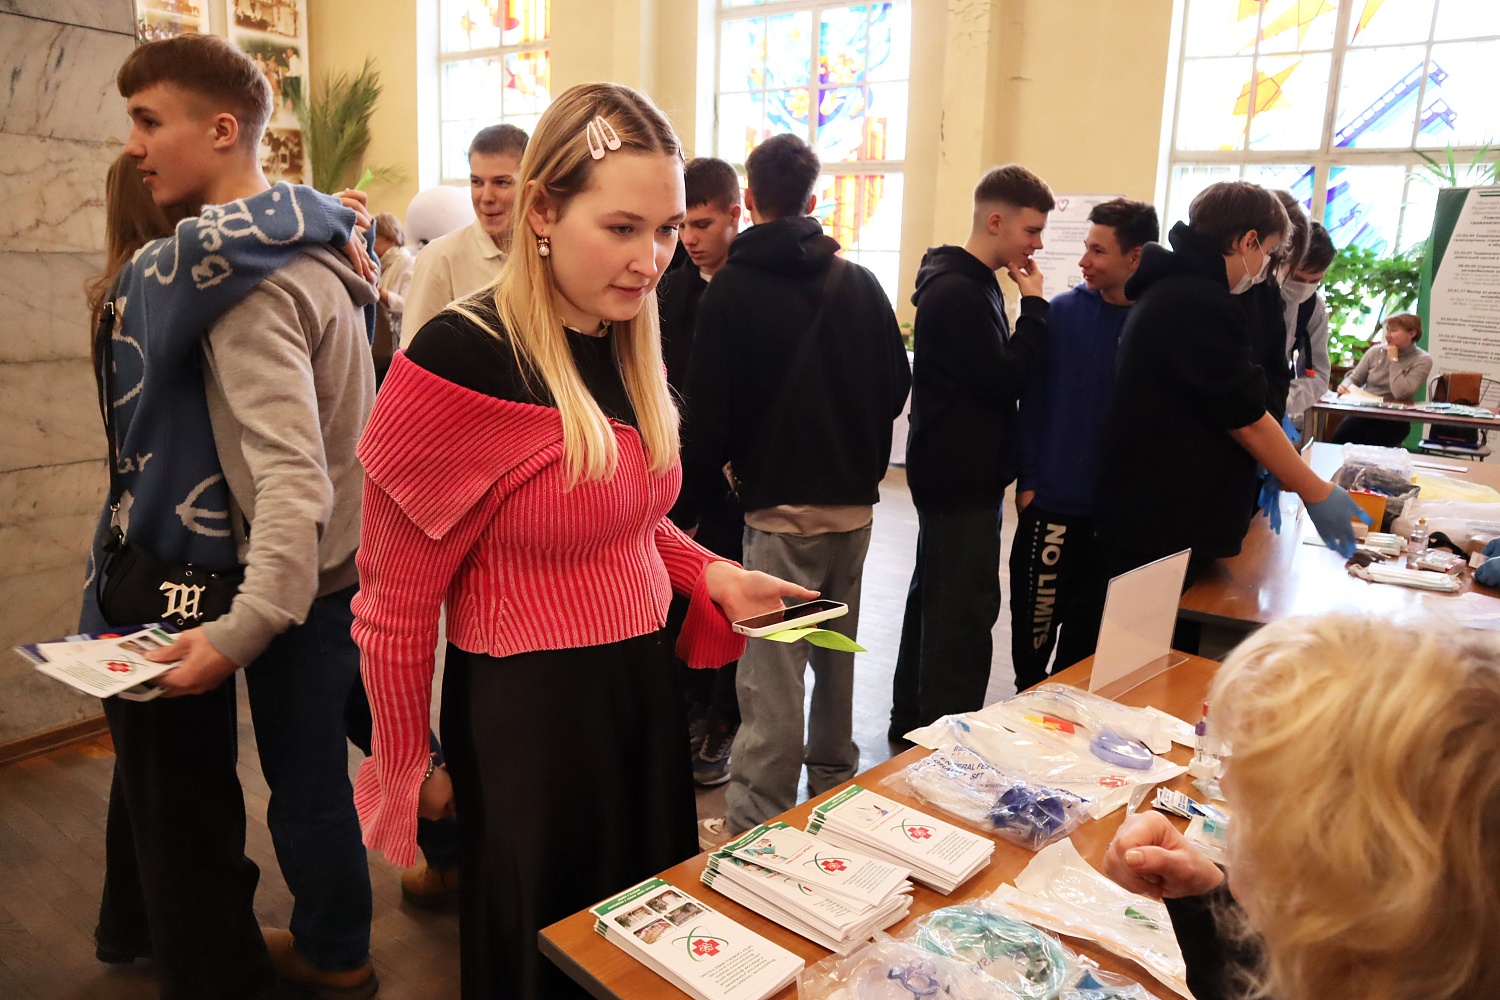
x=711, y=763
x=697, y=732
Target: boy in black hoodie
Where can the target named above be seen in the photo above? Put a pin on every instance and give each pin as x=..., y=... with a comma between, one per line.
x=713, y=220
x=1188, y=420
x=964, y=447
x=797, y=376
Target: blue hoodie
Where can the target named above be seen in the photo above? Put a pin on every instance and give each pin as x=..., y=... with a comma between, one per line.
x=1062, y=411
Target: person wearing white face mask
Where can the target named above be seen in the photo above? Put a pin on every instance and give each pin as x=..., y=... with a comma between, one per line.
x=1188, y=421
x=1307, y=326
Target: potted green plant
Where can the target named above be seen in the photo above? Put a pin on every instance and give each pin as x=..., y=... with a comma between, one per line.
x=336, y=129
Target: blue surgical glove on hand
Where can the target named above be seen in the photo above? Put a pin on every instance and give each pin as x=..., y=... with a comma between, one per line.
x=1331, y=518
x=1291, y=430
x=1488, y=575
x=1270, y=501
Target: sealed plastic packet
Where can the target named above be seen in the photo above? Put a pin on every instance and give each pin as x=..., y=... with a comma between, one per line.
x=1062, y=892
x=1077, y=719
x=897, y=970
x=1028, y=961
x=963, y=784
x=1031, y=757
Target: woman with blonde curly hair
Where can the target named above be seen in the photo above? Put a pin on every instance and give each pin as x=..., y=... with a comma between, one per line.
x=1365, y=840
x=519, y=465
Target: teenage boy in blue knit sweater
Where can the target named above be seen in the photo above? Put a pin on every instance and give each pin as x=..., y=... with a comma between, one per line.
x=1062, y=419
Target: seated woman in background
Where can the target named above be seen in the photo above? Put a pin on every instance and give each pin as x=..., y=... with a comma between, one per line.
x=1364, y=846
x=1394, y=370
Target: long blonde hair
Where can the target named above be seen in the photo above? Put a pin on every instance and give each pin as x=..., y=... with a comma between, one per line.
x=558, y=162
x=1365, y=785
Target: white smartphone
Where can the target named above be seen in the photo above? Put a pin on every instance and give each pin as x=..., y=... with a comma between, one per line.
x=796, y=616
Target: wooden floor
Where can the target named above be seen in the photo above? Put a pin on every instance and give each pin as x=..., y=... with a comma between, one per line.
x=52, y=824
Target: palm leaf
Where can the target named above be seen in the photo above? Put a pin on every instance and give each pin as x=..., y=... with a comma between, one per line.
x=336, y=126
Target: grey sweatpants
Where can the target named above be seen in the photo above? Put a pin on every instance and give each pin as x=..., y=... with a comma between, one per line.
x=769, y=750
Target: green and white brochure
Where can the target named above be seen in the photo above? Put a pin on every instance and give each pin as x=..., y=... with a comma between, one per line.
x=695, y=947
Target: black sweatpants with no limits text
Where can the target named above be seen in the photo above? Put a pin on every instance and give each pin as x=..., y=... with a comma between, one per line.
x=1051, y=571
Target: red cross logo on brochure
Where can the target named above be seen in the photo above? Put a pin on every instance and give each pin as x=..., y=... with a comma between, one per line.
x=832, y=865
x=116, y=667
x=918, y=833
x=706, y=947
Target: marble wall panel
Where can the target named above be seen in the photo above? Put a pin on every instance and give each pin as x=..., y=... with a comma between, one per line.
x=41, y=605
x=52, y=193
x=65, y=80
x=52, y=491
x=52, y=415
x=43, y=312
x=106, y=15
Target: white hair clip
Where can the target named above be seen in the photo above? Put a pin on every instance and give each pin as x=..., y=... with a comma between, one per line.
x=601, y=135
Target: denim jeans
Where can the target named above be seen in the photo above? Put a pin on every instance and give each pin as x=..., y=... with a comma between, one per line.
x=299, y=688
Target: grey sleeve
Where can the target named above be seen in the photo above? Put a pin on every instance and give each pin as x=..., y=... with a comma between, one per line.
x=1361, y=373
x=260, y=362
x=1306, y=390
x=1405, y=381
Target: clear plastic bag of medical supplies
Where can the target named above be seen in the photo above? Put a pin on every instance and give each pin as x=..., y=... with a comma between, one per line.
x=1062, y=892
x=887, y=969
x=1029, y=962
x=1034, y=757
x=963, y=784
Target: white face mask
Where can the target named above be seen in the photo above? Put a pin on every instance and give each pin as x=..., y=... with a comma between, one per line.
x=1249, y=281
x=1297, y=292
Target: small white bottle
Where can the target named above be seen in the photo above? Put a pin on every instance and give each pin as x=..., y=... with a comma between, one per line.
x=1417, y=543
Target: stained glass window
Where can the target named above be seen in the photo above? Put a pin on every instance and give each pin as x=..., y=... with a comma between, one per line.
x=837, y=75
x=494, y=67
x=1347, y=92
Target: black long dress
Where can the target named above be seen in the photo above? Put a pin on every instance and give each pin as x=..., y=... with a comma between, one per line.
x=570, y=771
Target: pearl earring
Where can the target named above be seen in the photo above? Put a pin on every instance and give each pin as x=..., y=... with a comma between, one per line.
x=543, y=246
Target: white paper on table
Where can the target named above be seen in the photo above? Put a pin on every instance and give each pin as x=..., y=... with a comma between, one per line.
x=1140, y=612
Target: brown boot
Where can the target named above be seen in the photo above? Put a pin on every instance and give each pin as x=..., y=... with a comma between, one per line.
x=355, y=984
x=429, y=888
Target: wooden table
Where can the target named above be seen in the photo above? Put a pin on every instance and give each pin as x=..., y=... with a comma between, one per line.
x=1410, y=413
x=610, y=974
x=1277, y=576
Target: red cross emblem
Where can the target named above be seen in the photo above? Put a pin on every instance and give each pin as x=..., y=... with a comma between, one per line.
x=118, y=668
x=918, y=832
x=705, y=947
x=833, y=865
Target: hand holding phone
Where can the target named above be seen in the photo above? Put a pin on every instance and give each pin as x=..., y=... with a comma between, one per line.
x=796, y=616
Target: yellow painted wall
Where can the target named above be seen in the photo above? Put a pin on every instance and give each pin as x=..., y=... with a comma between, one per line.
x=1071, y=88
x=340, y=34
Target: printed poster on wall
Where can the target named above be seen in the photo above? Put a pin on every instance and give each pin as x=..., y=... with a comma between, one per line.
x=1067, y=229
x=1463, y=305
x=274, y=33
x=156, y=20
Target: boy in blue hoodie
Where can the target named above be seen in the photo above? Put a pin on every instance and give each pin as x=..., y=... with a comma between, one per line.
x=1062, y=420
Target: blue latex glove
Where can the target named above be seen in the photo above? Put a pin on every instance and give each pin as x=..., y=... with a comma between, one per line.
x=1291, y=430
x=1270, y=501
x=1331, y=518
x=1488, y=575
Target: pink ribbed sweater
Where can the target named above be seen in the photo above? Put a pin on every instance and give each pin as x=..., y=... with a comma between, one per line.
x=466, y=501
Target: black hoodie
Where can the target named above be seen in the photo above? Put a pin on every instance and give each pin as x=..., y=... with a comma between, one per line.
x=832, y=444
x=967, y=375
x=1170, y=475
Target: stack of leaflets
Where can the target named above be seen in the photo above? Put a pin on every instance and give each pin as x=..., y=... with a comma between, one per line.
x=105, y=664
x=832, y=896
x=940, y=855
x=693, y=947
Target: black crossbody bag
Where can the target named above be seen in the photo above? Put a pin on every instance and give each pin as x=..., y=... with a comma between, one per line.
x=131, y=584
